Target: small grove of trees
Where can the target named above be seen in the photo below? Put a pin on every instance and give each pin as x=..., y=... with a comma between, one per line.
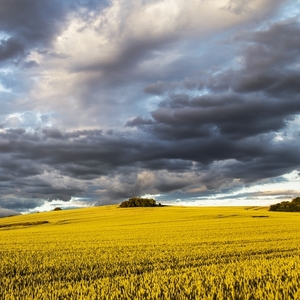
x=293, y=205
x=139, y=202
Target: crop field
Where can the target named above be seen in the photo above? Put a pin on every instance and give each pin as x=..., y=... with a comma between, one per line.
x=151, y=253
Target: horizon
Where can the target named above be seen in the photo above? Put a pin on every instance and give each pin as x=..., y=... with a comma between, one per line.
x=51, y=207
x=192, y=104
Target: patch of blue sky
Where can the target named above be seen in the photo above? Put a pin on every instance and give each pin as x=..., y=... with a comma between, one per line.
x=290, y=10
x=152, y=102
x=4, y=89
x=29, y=120
x=4, y=35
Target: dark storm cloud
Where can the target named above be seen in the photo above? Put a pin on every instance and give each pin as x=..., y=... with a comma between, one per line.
x=18, y=204
x=7, y=212
x=88, y=155
x=11, y=48
x=258, y=98
x=31, y=21
x=218, y=113
x=157, y=88
x=139, y=121
x=229, y=114
x=36, y=23
x=239, y=113
x=77, y=153
x=272, y=49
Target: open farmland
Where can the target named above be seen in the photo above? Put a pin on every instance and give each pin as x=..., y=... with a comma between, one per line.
x=151, y=253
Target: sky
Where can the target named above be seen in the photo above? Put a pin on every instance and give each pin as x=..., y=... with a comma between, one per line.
x=188, y=102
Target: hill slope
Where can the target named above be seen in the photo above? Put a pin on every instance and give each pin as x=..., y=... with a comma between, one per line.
x=142, y=253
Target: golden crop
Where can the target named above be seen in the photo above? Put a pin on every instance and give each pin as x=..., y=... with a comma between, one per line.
x=151, y=253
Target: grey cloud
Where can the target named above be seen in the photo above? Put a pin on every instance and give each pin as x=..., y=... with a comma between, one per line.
x=157, y=88
x=277, y=161
x=282, y=194
x=91, y=155
x=52, y=133
x=260, y=97
x=20, y=204
x=240, y=117
x=219, y=114
x=269, y=60
x=8, y=212
x=31, y=21
x=36, y=23
x=238, y=6
x=171, y=185
x=138, y=121
x=14, y=170
x=129, y=54
x=30, y=64
x=285, y=82
x=183, y=132
x=52, y=54
x=11, y=48
x=273, y=49
x=127, y=184
x=103, y=84
x=173, y=165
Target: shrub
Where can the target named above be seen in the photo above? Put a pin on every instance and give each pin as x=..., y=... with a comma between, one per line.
x=296, y=200
x=57, y=208
x=138, y=202
x=287, y=206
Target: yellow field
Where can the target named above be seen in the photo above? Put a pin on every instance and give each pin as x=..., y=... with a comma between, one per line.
x=151, y=253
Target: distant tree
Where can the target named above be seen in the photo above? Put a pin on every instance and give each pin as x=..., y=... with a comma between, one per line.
x=138, y=202
x=57, y=208
x=296, y=200
x=287, y=206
